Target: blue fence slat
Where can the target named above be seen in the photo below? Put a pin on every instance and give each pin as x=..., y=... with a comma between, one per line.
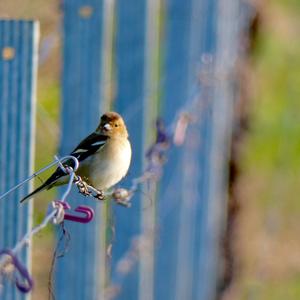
x=79, y=272
x=175, y=71
x=194, y=215
x=18, y=66
x=130, y=50
x=189, y=225
x=151, y=99
x=220, y=123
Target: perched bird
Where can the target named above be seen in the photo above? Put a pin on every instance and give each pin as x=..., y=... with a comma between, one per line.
x=104, y=156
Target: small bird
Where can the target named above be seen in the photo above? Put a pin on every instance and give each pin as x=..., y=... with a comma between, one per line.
x=104, y=156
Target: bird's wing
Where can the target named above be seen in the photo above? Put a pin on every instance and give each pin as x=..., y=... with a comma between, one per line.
x=93, y=143
x=90, y=145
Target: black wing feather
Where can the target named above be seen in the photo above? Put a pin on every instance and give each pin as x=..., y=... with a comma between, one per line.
x=86, y=148
x=89, y=146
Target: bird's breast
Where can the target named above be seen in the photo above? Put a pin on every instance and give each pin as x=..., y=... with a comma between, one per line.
x=111, y=164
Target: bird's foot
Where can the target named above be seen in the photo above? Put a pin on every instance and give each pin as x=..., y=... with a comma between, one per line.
x=82, y=186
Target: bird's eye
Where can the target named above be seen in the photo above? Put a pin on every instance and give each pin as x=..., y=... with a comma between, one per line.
x=116, y=125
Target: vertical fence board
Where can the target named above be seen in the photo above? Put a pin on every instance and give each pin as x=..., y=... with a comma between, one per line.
x=194, y=233
x=221, y=122
x=18, y=66
x=192, y=193
x=130, y=49
x=175, y=94
x=150, y=114
x=79, y=273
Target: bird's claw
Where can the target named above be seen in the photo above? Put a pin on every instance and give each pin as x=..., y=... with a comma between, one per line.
x=82, y=186
x=88, y=190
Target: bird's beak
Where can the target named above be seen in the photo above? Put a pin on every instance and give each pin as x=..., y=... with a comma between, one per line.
x=107, y=127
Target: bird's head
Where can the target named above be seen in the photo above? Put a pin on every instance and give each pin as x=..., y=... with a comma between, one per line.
x=112, y=125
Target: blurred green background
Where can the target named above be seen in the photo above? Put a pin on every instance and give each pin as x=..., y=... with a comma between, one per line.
x=267, y=232
x=266, y=239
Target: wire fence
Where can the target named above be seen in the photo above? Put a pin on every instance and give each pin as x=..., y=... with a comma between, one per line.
x=55, y=214
x=148, y=84
x=156, y=157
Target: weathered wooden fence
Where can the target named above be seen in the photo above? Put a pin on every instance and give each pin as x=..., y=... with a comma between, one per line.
x=18, y=64
x=144, y=59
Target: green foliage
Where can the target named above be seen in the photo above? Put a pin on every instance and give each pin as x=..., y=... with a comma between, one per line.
x=271, y=159
x=288, y=288
x=274, y=140
x=47, y=134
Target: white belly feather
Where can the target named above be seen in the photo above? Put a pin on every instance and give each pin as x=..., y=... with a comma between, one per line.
x=105, y=173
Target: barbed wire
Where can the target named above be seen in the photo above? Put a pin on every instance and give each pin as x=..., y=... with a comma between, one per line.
x=156, y=157
x=174, y=134
x=166, y=137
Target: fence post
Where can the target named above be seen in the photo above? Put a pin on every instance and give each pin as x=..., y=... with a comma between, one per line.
x=213, y=214
x=176, y=48
x=192, y=195
x=18, y=68
x=80, y=273
x=130, y=69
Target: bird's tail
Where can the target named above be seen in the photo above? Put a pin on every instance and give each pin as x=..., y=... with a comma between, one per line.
x=39, y=189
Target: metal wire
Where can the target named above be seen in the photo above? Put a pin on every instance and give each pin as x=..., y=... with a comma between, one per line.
x=49, y=215
x=167, y=137
x=57, y=161
x=156, y=160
